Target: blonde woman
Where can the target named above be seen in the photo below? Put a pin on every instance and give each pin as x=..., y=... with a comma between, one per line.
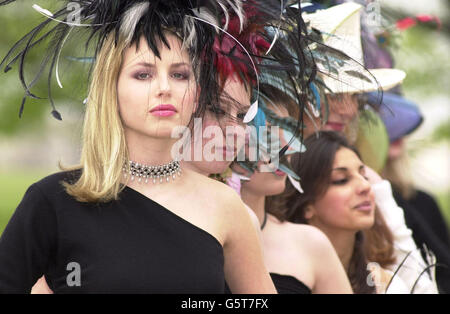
x=103, y=226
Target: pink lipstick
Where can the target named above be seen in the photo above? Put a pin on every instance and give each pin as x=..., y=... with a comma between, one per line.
x=338, y=127
x=163, y=111
x=279, y=173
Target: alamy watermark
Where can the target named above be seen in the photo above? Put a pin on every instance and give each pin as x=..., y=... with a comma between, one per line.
x=75, y=15
x=73, y=279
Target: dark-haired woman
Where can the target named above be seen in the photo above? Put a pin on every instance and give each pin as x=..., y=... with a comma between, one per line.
x=338, y=200
x=300, y=258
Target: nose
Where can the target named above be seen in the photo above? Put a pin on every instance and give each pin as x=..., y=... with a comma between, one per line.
x=163, y=85
x=363, y=185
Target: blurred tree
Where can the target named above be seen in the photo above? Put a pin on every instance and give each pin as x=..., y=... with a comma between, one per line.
x=442, y=132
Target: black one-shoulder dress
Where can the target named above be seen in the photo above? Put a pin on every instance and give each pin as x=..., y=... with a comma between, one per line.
x=286, y=284
x=133, y=245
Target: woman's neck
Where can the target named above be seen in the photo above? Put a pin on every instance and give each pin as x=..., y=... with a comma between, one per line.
x=255, y=201
x=149, y=151
x=343, y=242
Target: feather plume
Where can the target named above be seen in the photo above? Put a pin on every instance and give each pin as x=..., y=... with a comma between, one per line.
x=222, y=36
x=296, y=184
x=43, y=11
x=130, y=19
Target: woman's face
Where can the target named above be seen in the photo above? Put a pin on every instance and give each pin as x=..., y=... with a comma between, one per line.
x=268, y=183
x=343, y=108
x=155, y=95
x=348, y=203
x=234, y=104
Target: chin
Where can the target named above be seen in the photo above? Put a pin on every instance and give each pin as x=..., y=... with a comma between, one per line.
x=164, y=130
x=273, y=188
x=366, y=224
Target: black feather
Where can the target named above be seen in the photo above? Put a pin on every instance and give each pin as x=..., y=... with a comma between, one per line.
x=22, y=106
x=56, y=115
x=104, y=17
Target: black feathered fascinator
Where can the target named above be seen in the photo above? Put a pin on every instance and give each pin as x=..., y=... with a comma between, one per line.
x=221, y=36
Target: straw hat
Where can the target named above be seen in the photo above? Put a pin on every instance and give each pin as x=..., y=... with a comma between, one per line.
x=340, y=26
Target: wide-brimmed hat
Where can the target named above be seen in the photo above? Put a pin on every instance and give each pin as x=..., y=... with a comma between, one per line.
x=400, y=116
x=340, y=26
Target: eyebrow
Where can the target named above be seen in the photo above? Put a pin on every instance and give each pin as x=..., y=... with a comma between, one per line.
x=145, y=64
x=151, y=65
x=361, y=167
x=340, y=169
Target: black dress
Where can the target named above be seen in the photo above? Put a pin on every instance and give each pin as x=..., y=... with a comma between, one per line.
x=286, y=284
x=133, y=245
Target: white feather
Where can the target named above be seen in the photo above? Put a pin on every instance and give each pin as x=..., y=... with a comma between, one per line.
x=49, y=15
x=302, y=5
x=225, y=12
x=41, y=10
x=277, y=31
x=236, y=5
x=314, y=110
x=251, y=113
x=131, y=18
x=296, y=184
x=188, y=27
x=59, y=55
x=273, y=41
x=206, y=15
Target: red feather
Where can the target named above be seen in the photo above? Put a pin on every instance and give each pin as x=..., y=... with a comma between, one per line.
x=230, y=56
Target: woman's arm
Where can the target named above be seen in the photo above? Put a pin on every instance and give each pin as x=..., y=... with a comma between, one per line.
x=245, y=271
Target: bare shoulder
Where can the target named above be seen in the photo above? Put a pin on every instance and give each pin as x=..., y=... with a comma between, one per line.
x=306, y=237
x=310, y=238
x=207, y=184
x=310, y=232
x=217, y=192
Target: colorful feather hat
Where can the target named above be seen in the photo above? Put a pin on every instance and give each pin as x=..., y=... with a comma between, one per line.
x=221, y=36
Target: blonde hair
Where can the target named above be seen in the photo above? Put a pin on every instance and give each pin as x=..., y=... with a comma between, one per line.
x=104, y=150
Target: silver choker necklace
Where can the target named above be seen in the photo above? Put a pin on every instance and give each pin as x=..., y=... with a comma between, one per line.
x=159, y=173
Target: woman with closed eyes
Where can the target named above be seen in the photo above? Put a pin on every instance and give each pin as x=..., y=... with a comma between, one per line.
x=338, y=200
